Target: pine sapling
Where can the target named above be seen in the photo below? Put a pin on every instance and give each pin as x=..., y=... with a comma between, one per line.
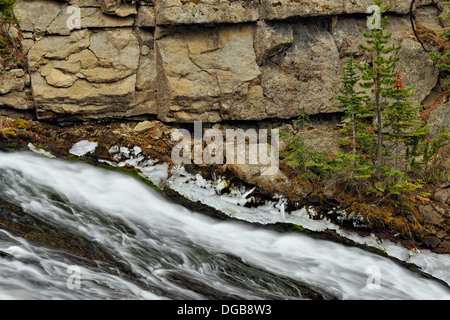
x=355, y=105
x=401, y=116
x=379, y=74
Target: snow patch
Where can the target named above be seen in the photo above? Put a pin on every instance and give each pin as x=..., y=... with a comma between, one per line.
x=83, y=147
x=40, y=151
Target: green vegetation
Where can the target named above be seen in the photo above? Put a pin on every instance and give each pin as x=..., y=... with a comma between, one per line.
x=9, y=132
x=358, y=132
x=6, y=11
x=379, y=76
x=388, y=160
x=401, y=118
x=356, y=110
x=8, y=46
x=300, y=156
x=21, y=124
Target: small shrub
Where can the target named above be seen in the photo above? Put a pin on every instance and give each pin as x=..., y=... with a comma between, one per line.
x=21, y=124
x=6, y=11
x=9, y=132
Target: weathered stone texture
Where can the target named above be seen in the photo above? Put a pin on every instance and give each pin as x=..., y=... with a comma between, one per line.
x=210, y=60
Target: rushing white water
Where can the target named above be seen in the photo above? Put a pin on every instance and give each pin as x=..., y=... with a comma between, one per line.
x=171, y=252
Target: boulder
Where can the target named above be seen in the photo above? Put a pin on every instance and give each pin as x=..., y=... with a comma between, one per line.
x=16, y=100
x=267, y=184
x=432, y=242
x=11, y=84
x=267, y=177
x=144, y=126
x=430, y=215
x=442, y=195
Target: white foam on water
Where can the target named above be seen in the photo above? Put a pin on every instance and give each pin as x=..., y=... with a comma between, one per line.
x=95, y=197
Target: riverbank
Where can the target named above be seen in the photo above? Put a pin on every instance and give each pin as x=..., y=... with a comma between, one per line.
x=88, y=79
x=425, y=227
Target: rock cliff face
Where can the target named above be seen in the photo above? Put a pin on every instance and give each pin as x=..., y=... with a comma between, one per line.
x=186, y=60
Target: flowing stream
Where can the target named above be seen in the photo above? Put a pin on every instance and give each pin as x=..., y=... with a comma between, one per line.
x=128, y=242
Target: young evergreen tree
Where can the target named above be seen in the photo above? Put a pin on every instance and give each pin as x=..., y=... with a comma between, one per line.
x=379, y=74
x=356, y=109
x=401, y=117
x=297, y=154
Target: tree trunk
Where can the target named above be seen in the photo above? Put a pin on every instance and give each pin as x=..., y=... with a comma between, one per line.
x=397, y=154
x=354, y=139
x=380, y=133
x=380, y=121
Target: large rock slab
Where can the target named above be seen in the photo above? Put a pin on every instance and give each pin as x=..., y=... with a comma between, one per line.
x=418, y=70
x=284, y=9
x=204, y=70
x=82, y=100
x=36, y=15
x=92, y=74
x=144, y=101
x=57, y=48
x=89, y=18
x=16, y=100
x=431, y=215
x=104, y=56
x=206, y=11
x=306, y=74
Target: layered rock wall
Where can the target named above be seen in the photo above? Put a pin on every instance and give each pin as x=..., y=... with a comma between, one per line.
x=210, y=60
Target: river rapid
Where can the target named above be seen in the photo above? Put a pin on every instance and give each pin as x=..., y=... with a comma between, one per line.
x=144, y=247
